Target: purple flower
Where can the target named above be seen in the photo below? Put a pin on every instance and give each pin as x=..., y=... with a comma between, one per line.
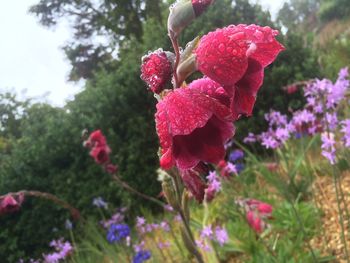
x=168, y=208
x=328, y=147
x=346, y=131
x=141, y=256
x=165, y=226
x=117, y=232
x=99, y=202
x=239, y=167
x=115, y=219
x=202, y=244
x=212, y=176
x=251, y=138
x=236, y=155
x=269, y=141
x=221, y=235
x=332, y=120
x=162, y=245
x=139, y=247
x=207, y=232
x=140, y=221
x=63, y=250
x=231, y=168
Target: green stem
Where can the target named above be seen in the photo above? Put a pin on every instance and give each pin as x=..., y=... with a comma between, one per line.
x=314, y=258
x=185, y=221
x=335, y=179
x=134, y=191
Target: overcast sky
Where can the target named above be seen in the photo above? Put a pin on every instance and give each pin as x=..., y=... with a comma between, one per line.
x=31, y=60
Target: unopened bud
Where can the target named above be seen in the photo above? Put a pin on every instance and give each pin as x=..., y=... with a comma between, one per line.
x=181, y=15
x=169, y=192
x=182, y=12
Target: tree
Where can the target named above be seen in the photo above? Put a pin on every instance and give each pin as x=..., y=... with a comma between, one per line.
x=114, y=20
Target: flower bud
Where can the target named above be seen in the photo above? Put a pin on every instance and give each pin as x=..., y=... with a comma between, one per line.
x=156, y=70
x=199, y=6
x=169, y=192
x=182, y=12
x=181, y=15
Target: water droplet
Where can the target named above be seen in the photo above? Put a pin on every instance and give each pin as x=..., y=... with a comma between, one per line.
x=258, y=35
x=222, y=47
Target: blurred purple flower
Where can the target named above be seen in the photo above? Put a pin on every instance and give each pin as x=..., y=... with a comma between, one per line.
x=99, y=202
x=251, y=138
x=117, y=232
x=236, y=155
x=346, y=131
x=328, y=146
x=207, y=232
x=221, y=235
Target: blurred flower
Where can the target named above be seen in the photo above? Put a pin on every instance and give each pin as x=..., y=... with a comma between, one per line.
x=162, y=245
x=111, y=168
x=68, y=224
x=207, y=232
x=346, y=131
x=236, y=155
x=63, y=250
x=251, y=138
x=141, y=256
x=99, y=202
x=221, y=235
x=11, y=203
x=202, y=244
x=117, y=232
x=328, y=146
x=165, y=226
x=255, y=221
x=256, y=213
x=139, y=247
x=115, y=219
x=168, y=208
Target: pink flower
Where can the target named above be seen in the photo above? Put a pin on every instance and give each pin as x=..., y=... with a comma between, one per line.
x=111, y=168
x=156, y=70
x=193, y=124
x=11, y=203
x=255, y=222
x=96, y=139
x=100, y=154
x=99, y=148
x=235, y=57
x=199, y=6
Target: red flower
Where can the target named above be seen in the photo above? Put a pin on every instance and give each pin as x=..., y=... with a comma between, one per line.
x=194, y=184
x=255, y=222
x=193, y=124
x=199, y=6
x=96, y=138
x=10, y=204
x=235, y=57
x=111, y=168
x=99, y=148
x=100, y=154
x=156, y=70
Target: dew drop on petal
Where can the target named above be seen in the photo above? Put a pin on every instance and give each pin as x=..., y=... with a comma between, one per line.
x=222, y=48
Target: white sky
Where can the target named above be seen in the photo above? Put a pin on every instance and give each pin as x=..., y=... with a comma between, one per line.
x=31, y=60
